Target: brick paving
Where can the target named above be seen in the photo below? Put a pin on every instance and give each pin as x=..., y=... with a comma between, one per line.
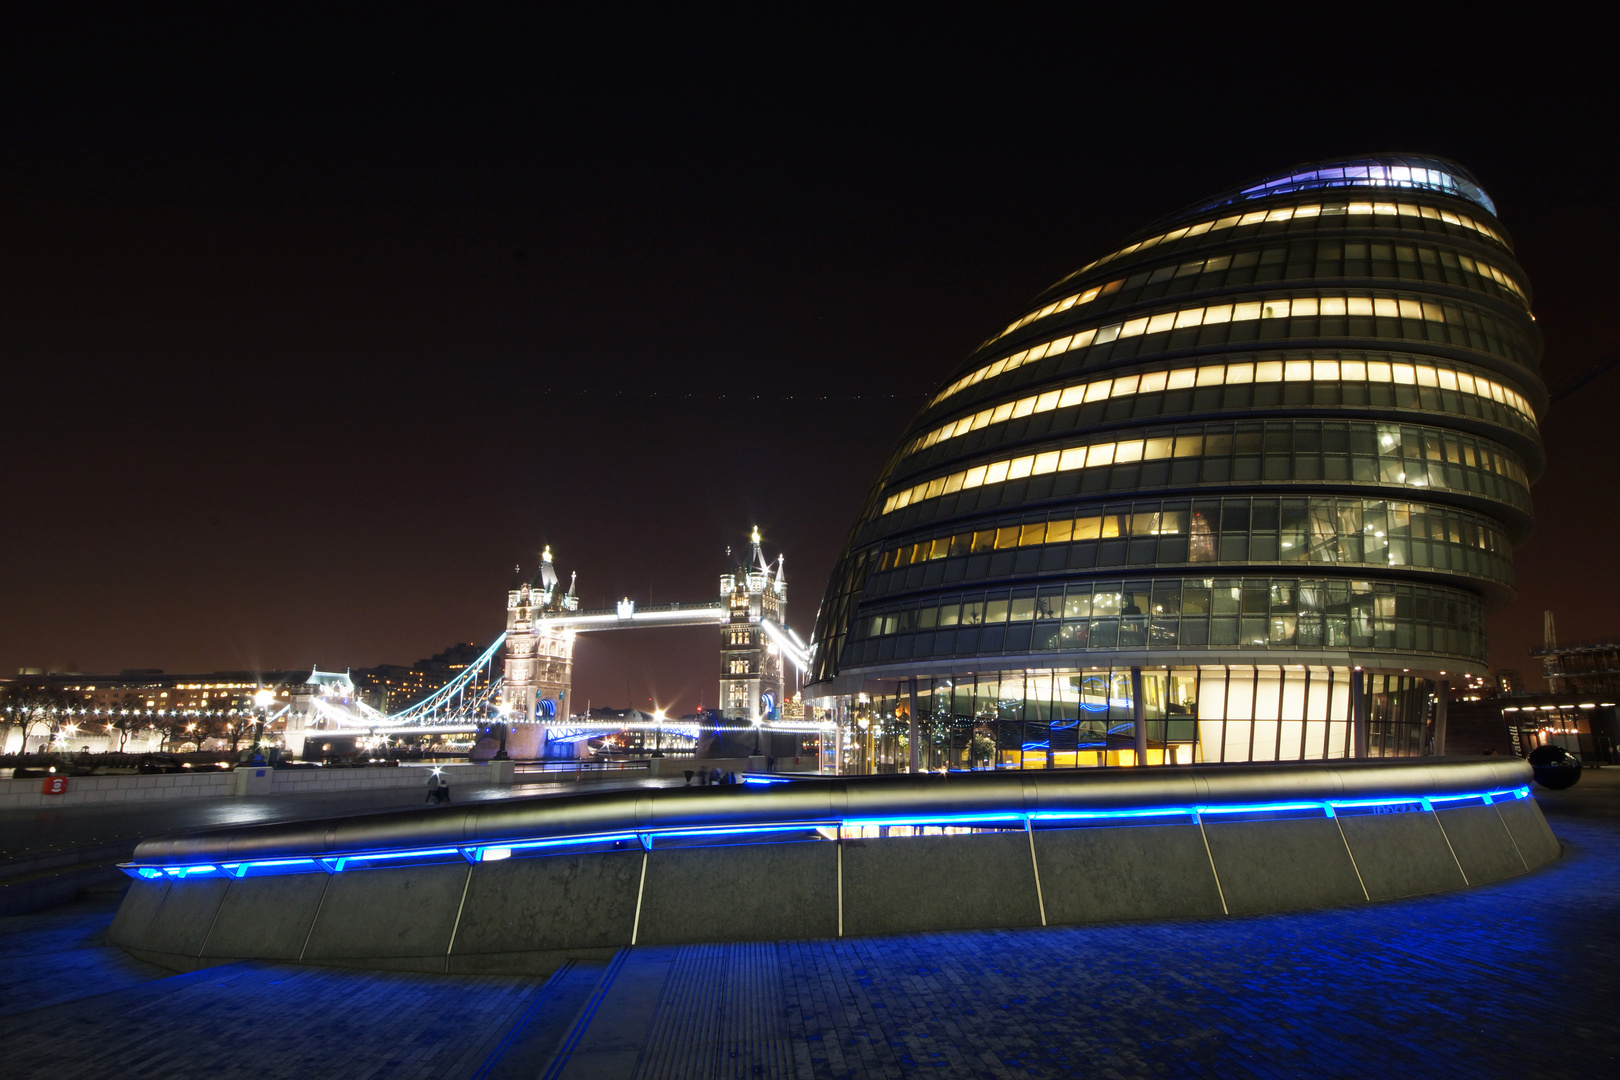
x=1517, y=979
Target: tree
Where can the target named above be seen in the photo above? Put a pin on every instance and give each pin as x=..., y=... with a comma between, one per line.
x=36, y=709
x=172, y=725
x=126, y=719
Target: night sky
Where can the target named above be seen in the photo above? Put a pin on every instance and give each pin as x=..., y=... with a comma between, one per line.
x=311, y=329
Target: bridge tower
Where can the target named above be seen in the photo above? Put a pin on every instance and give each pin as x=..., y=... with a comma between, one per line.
x=539, y=659
x=751, y=684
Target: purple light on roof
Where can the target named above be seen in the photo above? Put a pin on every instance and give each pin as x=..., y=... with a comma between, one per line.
x=1417, y=173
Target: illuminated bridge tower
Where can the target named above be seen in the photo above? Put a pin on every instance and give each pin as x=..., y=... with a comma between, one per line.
x=751, y=685
x=539, y=659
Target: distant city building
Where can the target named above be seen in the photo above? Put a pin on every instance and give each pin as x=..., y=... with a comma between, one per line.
x=1580, y=710
x=1587, y=725
x=1582, y=669
x=1241, y=489
x=391, y=687
x=137, y=708
x=151, y=688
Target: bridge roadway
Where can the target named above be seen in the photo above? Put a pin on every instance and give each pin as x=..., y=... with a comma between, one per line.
x=1520, y=978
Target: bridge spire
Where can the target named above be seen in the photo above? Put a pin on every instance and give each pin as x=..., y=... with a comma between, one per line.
x=757, y=551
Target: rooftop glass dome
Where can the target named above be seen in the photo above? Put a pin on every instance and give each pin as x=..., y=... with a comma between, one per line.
x=1415, y=171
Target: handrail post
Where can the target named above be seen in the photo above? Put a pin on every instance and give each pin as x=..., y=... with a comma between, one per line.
x=1358, y=712
x=1139, y=716
x=1442, y=698
x=911, y=733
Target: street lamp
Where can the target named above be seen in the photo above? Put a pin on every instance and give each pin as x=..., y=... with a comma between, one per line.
x=263, y=698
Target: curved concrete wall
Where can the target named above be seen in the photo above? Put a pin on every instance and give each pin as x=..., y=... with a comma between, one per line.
x=529, y=914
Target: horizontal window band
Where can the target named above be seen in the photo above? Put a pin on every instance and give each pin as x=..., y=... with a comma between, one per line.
x=1058, y=559
x=1356, y=208
x=1173, y=641
x=1123, y=592
x=1219, y=263
x=1310, y=520
x=1171, y=613
x=1402, y=455
x=1395, y=373
x=1407, y=308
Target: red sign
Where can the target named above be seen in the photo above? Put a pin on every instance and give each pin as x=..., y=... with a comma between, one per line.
x=55, y=785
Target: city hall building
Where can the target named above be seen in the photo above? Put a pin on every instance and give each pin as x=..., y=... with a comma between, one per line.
x=1240, y=489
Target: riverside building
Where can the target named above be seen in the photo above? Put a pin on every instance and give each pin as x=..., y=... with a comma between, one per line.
x=1240, y=489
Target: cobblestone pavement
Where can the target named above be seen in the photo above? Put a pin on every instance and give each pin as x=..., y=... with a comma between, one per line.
x=1518, y=979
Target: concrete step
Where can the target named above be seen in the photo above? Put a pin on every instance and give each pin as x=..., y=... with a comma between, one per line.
x=681, y=1013
x=532, y=1042
x=45, y=879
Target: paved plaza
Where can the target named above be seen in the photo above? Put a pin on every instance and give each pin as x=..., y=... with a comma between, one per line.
x=33, y=831
x=1519, y=979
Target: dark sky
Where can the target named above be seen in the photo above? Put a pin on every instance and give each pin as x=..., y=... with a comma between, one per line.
x=310, y=329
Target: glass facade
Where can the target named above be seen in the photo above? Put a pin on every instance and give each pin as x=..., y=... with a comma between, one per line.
x=1279, y=444
x=1079, y=717
x=1158, y=614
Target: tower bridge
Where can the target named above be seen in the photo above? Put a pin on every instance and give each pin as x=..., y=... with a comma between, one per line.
x=542, y=623
x=529, y=687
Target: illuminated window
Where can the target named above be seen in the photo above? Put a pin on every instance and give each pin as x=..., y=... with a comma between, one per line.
x=1400, y=458
x=1414, y=309
x=1288, y=213
x=1449, y=378
x=1218, y=263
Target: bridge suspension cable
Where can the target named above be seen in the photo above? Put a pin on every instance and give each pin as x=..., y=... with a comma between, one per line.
x=790, y=644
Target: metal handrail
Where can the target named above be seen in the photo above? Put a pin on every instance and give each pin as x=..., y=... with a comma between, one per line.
x=1021, y=796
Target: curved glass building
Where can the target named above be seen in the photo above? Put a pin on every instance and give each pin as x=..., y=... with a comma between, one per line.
x=1240, y=489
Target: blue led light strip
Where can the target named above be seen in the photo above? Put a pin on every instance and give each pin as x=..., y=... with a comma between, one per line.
x=494, y=851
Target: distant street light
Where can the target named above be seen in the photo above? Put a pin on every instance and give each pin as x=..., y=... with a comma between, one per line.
x=263, y=698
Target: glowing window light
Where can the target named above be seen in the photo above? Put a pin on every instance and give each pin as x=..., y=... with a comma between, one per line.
x=1181, y=319
x=1428, y=177
x=1459, y=380
x=1247, y=311
x=1288, y=213
x=1099, y=454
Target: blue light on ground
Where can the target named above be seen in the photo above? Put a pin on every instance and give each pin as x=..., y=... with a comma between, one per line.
x=504, y=849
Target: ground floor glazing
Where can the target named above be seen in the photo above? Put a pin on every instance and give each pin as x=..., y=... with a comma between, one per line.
x=1096, y=716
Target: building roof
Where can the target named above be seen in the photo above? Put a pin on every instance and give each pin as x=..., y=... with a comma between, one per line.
x=1418, y=172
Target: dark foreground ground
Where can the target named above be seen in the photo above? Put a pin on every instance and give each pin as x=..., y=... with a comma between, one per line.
x=1520, y=979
